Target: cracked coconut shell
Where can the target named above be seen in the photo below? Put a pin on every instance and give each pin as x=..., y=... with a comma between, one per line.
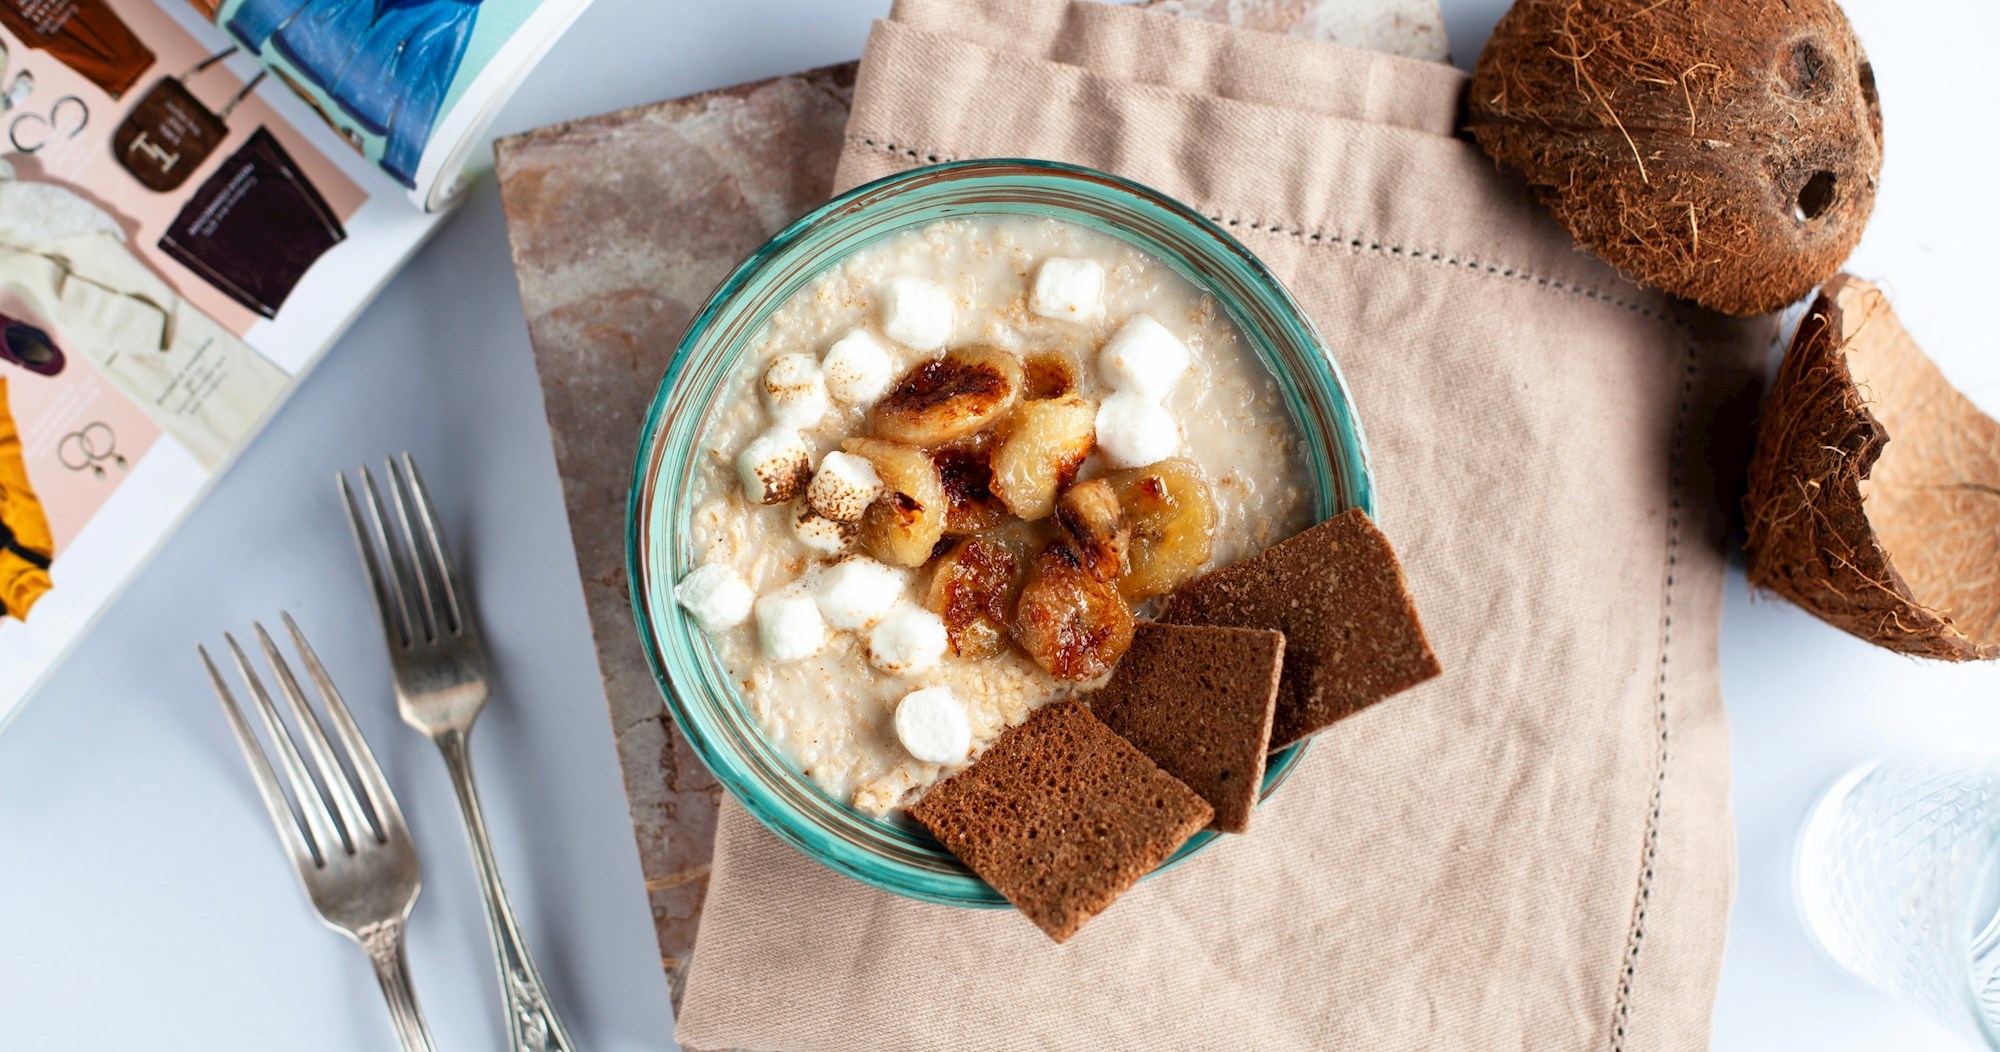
x=1874, y=496
x=1725, y=151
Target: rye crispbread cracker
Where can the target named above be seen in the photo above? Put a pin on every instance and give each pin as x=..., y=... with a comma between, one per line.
x=1351, y=631
x=1198, y=701
x=1061, y=816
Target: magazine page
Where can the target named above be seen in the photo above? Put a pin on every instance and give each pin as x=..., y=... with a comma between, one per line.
x=184, y=229
x=406, y=82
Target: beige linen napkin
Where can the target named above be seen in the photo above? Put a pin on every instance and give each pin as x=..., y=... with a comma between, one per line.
x=1530, y=852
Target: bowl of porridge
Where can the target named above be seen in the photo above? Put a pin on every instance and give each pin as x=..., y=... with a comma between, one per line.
x=924, y=460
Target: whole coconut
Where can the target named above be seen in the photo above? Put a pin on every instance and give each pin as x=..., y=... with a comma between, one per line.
x=1723, y=150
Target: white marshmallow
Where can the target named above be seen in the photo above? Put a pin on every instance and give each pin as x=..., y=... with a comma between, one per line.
x=716, y=596
x=916, y=312
x=794, y=390
x=857, y=369
x=1144, y=358
x=931, y=725
x=855, y=593
x=844, y=486
x=774, y=466
x=910, y=639
x=789, y=626
x=819, y=533
x=1134, y=430
x=1069, y=289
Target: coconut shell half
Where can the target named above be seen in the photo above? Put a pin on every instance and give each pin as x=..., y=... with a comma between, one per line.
x=1874, y=497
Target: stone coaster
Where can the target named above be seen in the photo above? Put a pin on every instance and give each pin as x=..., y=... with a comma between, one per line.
x=621, y=226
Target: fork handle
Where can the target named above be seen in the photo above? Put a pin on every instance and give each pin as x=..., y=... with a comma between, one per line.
x=532, y=1024
x=384, y=943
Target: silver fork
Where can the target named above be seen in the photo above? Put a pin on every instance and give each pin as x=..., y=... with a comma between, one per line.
x=345, y=836
x=441, y=686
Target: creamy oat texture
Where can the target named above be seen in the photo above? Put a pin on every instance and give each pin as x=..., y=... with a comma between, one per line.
x=832, y=714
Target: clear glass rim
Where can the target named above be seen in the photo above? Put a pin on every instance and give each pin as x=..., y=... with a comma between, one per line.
x=707, y=709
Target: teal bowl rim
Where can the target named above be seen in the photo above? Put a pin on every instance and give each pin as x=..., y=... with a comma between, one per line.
x=1342, y=473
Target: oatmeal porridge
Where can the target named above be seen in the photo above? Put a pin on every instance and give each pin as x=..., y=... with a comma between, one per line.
x=952, y=471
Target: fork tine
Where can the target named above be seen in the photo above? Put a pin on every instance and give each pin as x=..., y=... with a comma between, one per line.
x=393, y=562
x=374, y=787
x=320, y=832
x=279, y=808
x=332, y=777
x=448, y=581
x=388, y=594
x=419, y=567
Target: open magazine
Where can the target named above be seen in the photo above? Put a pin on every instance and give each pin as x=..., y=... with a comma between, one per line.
x=196, y=198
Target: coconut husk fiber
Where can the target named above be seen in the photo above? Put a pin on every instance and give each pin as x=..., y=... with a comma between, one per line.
x=1726, y=151
x=1874, y=497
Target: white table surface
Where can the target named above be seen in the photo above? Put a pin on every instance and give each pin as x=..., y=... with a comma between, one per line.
x=143, y=901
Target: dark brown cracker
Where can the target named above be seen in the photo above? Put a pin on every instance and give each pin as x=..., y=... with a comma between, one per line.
x=1351, y=631
x=1061, y=816
x=1198, y=701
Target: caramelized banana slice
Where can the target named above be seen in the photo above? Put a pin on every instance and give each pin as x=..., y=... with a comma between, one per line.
x=968, y=491
x=1074, y=625
x=973, y=589
x=1046, y=442
x=1048, y=374
x=1089, y=512
x=948, y=398
x=1021, y=539
x=907, y=520
x=1172, y=515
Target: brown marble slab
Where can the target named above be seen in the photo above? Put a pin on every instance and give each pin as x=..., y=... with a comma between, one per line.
x=621, y=225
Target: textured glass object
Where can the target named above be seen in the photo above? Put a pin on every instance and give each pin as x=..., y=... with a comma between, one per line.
x=1898, y=874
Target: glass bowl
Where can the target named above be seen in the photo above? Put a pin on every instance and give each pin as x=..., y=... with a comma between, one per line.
x=897, y=855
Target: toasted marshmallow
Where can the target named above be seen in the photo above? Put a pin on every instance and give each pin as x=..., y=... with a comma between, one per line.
x=774, y=466
x=794, y=390
x=855, y=593
x=819, y=533
x=931, y=725
x=1134, y=430
x=1069, y=289
x=916, y=312
x=1144, y=358
x=789, y=626
x=844, y=486
x=716, y=596
x=910, y=639
x=857, y=369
